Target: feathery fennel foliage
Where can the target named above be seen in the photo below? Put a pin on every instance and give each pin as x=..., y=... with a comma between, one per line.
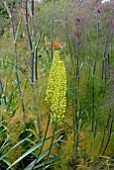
x=56, y=89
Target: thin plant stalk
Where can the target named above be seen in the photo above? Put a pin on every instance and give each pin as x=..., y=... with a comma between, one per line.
x=74, y=100
x=30, y=43
x=36, y=45
x=15, y=61
x=109, y=125
x=52, y=30
x=76, y=89
x=97, y=48
x=68, y=41
x=34, y=73
x=77, y=63
x=75, y=108
x=75, y=81
x=3, y=95
x=41, y=148
x=109, y=137
x=104, y=72
x=93, y=109
x=104, y=133
x=52, y=140
x=35, y=62
x=53, y=137
x=93, y=82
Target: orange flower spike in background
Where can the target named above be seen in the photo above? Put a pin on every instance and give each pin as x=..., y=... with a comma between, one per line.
x=57, y=44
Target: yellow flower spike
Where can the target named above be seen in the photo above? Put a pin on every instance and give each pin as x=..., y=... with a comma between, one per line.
x=56, y=89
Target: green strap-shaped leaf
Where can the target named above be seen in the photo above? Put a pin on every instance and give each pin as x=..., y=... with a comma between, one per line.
x=3, y=156
x=43, y=155
x=28, y=152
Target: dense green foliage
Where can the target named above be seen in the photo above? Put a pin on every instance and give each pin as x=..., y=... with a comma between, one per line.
x=56, y=65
